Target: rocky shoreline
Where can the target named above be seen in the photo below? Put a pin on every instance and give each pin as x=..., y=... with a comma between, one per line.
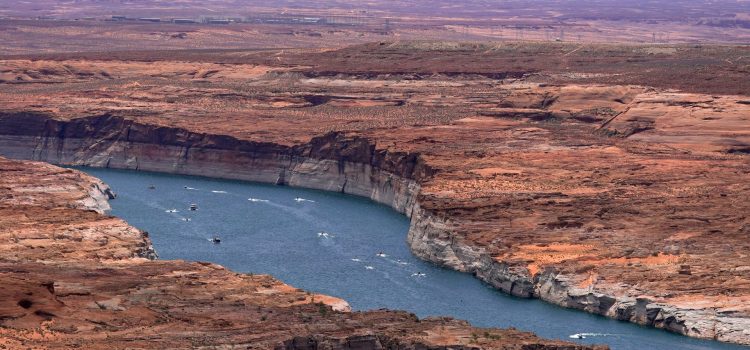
x=342, y=163
x=75, y=278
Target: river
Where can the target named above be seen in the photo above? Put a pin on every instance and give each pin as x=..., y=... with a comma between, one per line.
x=343, y=246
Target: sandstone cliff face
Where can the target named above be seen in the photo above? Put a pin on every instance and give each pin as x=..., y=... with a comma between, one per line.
x=350, y=164
x=333, y=162
x=75, y=278
x=432, y=239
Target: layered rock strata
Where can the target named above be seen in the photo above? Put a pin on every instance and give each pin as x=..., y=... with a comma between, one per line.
x=540, y=168
x=351, y=163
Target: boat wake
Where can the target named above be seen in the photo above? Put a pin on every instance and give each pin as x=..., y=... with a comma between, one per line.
x=588, y=335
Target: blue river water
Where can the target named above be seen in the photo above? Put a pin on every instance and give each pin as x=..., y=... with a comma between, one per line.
x=343, y=246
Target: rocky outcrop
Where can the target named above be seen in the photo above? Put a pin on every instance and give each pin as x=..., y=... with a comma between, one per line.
x=432, y=239
x=344, y=163
x=98, y=198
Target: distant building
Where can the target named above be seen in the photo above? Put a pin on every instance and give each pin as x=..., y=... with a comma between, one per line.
x=150, y=19
x=184, y=20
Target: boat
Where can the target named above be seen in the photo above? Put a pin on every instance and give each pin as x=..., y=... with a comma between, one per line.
x=193, y=207
x=151, y=187
x=215, y=240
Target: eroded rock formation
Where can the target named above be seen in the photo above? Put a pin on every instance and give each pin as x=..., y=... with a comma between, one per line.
x=620, y=200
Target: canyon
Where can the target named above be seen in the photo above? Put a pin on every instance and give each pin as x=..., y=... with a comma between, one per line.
x=74, y=277
x=576, y=186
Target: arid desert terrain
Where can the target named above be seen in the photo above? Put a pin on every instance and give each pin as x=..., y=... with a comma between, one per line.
x=609, y=176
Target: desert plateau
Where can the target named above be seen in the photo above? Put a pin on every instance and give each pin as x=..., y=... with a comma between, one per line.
x=593, y=157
